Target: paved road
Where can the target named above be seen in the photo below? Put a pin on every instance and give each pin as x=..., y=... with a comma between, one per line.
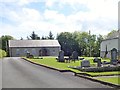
x=18, y=73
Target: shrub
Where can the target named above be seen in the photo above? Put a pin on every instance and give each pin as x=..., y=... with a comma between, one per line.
x=2, y=53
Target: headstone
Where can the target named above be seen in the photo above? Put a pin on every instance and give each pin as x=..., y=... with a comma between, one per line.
x=99, y=63
x=61, y=56
x=114, y=56
x=28, y=54
x=95, y=60
x=75, y=55
x=85, y=63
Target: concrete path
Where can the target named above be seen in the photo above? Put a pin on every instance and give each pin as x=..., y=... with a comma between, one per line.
x=18, y=73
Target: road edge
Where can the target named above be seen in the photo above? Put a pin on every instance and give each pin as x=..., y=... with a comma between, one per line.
x=76, y=74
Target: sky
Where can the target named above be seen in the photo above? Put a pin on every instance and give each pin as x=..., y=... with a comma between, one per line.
x=20, y=17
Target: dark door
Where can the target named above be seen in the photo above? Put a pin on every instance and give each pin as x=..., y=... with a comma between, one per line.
x=43, y=52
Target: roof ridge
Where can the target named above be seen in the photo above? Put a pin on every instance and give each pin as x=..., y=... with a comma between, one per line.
x=34, y=43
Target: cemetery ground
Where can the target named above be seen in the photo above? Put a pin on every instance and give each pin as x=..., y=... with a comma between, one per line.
x=109, y=76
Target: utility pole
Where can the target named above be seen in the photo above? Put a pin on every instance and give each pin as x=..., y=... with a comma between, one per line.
x=118, y=42
x=7, y=50
x=90, y=43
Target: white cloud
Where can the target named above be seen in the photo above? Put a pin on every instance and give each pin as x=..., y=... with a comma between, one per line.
x=50, y=3
x=31, y=14
x=24, y=15
x=101, y=17
x=54, y=16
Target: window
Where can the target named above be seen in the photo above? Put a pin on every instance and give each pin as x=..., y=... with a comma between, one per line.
x=17, y=51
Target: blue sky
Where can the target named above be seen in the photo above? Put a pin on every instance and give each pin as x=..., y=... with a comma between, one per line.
x=20, y=17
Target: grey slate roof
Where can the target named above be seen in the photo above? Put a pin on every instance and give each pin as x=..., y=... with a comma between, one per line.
x=110, y=39
x=34, y=43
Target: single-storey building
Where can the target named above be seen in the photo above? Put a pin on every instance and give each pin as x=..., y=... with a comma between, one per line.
x=18, y=48
x=113, y=41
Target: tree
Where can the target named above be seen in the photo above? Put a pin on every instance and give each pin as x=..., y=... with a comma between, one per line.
x=38, y=38
x=68, y=44
x=4, y=42
x=82, y=42
x=92, y=44
x=34, y=36
x=112, y=34
x=82, y=38
x=28, y=38
x=43, y=38
x=77, y=38
x=50, y=35
x=2, y=53
x=21, y=38
x=97, y=46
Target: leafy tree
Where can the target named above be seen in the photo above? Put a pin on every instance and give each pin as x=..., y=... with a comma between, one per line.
x=112, y=34
x=38, y=38
x=97, y=46
x=92, y=44
x=2, y=53
x=82, y=42
x=50, y=35
x=4, y=42
x=34, y=36
x=28, y=38
x=21, y=38
x=68, y=44
x=82, y=39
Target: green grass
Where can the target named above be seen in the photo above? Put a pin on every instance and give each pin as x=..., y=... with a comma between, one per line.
x=51, y=61
x=113, y=80
x=104, y=73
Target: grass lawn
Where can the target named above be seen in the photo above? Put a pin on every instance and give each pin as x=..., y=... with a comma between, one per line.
x=104, y=73
x=51, y=61
x=114, y=80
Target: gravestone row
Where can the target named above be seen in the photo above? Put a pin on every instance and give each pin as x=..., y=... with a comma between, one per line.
x=62, y=59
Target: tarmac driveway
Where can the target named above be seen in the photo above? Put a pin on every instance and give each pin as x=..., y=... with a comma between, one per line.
x=18, y=73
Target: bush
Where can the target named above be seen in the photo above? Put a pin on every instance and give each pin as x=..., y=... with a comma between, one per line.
x=2, y=53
